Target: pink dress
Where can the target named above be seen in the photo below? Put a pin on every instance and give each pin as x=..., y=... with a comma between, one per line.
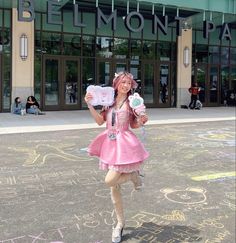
x=117, y=147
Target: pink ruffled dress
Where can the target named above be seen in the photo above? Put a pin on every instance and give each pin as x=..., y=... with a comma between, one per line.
x=117, y=147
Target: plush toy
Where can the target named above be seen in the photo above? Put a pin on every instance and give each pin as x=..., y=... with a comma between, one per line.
x=136, y=103
x=101, y=95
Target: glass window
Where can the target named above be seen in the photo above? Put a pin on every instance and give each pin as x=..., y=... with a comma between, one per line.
x=135, y=48
x=214, y=54
x=7, y=18
x=224, y=55
x=164, y=51
x=232, y=55
x=121, y=48
x=148, y=83
x=51, y=27
x=6, y=81
x=1, y=15
x=214, y=37
x=149, y=49
x=201, y=53
x=37, y=76
x=88, y=46
x=104, y=46
x=37, y=41
x=163, y=37
x=88, y=76
x=224, y=84
x=199, y=38
x=147, y=31
x=233, y=35
x=51, y=43
x=37, y=22
x=164, y=83
x=135, y=23
x=106, y=29
x=72, y=45
x=121, y=30
x=68, y=22
x=213, y=84
x=89, y=20
x=6, y=39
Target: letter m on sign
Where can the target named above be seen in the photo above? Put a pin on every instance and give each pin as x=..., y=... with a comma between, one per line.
x=26, y=6
x=101, y=16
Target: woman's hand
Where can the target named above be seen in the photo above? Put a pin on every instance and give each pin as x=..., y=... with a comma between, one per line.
x=87, y=98
x=142, y=119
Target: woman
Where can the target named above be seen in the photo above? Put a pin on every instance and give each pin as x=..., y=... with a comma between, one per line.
x=32, y=106
x=18, y=108
x=119, y=150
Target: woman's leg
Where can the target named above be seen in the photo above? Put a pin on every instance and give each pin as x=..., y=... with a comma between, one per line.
x=114, y=178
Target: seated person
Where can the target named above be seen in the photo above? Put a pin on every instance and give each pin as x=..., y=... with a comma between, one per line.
x=32, y=106
x=18, y=107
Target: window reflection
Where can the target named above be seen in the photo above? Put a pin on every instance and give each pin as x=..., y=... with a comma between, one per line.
x=71, y=89
x=51, y=43
x=88, y=46
x=72, y=45
x=135, y=48
x=164, y=82
x=121, y=48
x=149, y=49
x=213, y=84
x=104, y=46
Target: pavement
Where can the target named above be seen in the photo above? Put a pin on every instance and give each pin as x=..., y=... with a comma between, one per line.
x=70, y=120
x=51, y=191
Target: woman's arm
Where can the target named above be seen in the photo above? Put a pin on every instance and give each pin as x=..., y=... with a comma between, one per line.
x=96, y=116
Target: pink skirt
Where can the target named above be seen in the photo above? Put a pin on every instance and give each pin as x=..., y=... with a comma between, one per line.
x=124, y=154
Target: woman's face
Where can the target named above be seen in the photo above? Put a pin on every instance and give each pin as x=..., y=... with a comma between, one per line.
x=124, y=86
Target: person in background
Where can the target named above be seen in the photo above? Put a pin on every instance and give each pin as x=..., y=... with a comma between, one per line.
x=18, y=107
x=32, y=106
x=194, y=91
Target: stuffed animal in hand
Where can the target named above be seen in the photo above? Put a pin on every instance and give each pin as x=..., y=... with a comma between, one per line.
x=137, y=104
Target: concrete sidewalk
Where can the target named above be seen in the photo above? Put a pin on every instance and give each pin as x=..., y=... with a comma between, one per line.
x=68, y=120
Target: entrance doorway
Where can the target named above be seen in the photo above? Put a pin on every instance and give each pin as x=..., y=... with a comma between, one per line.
x=207, y=77
x=155, y=87
x=61, y=83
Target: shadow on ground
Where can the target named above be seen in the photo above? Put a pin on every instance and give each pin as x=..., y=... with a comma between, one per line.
x=151, y=232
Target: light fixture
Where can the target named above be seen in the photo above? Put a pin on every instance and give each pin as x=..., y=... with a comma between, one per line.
x=186, y=58
x=23, y=47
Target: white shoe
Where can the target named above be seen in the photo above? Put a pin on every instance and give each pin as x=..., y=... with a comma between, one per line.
x=117, y=234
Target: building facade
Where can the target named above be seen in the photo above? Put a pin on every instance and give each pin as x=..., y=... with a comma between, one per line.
x=54, y=49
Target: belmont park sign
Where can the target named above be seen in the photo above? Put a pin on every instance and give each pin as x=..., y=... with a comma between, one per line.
x=158, y=22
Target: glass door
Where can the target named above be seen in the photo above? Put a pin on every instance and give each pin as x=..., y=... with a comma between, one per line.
x=51, y=81
x=104, y=75
x=163, y=85
x=70, y=85
x=200, y=78
x=149, y=90
x=213, y=86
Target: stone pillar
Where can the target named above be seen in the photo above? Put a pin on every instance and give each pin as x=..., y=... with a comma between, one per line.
x=184, y=72
x=22, y=71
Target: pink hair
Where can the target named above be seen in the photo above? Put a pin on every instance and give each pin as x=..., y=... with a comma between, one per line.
x=120, y=76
